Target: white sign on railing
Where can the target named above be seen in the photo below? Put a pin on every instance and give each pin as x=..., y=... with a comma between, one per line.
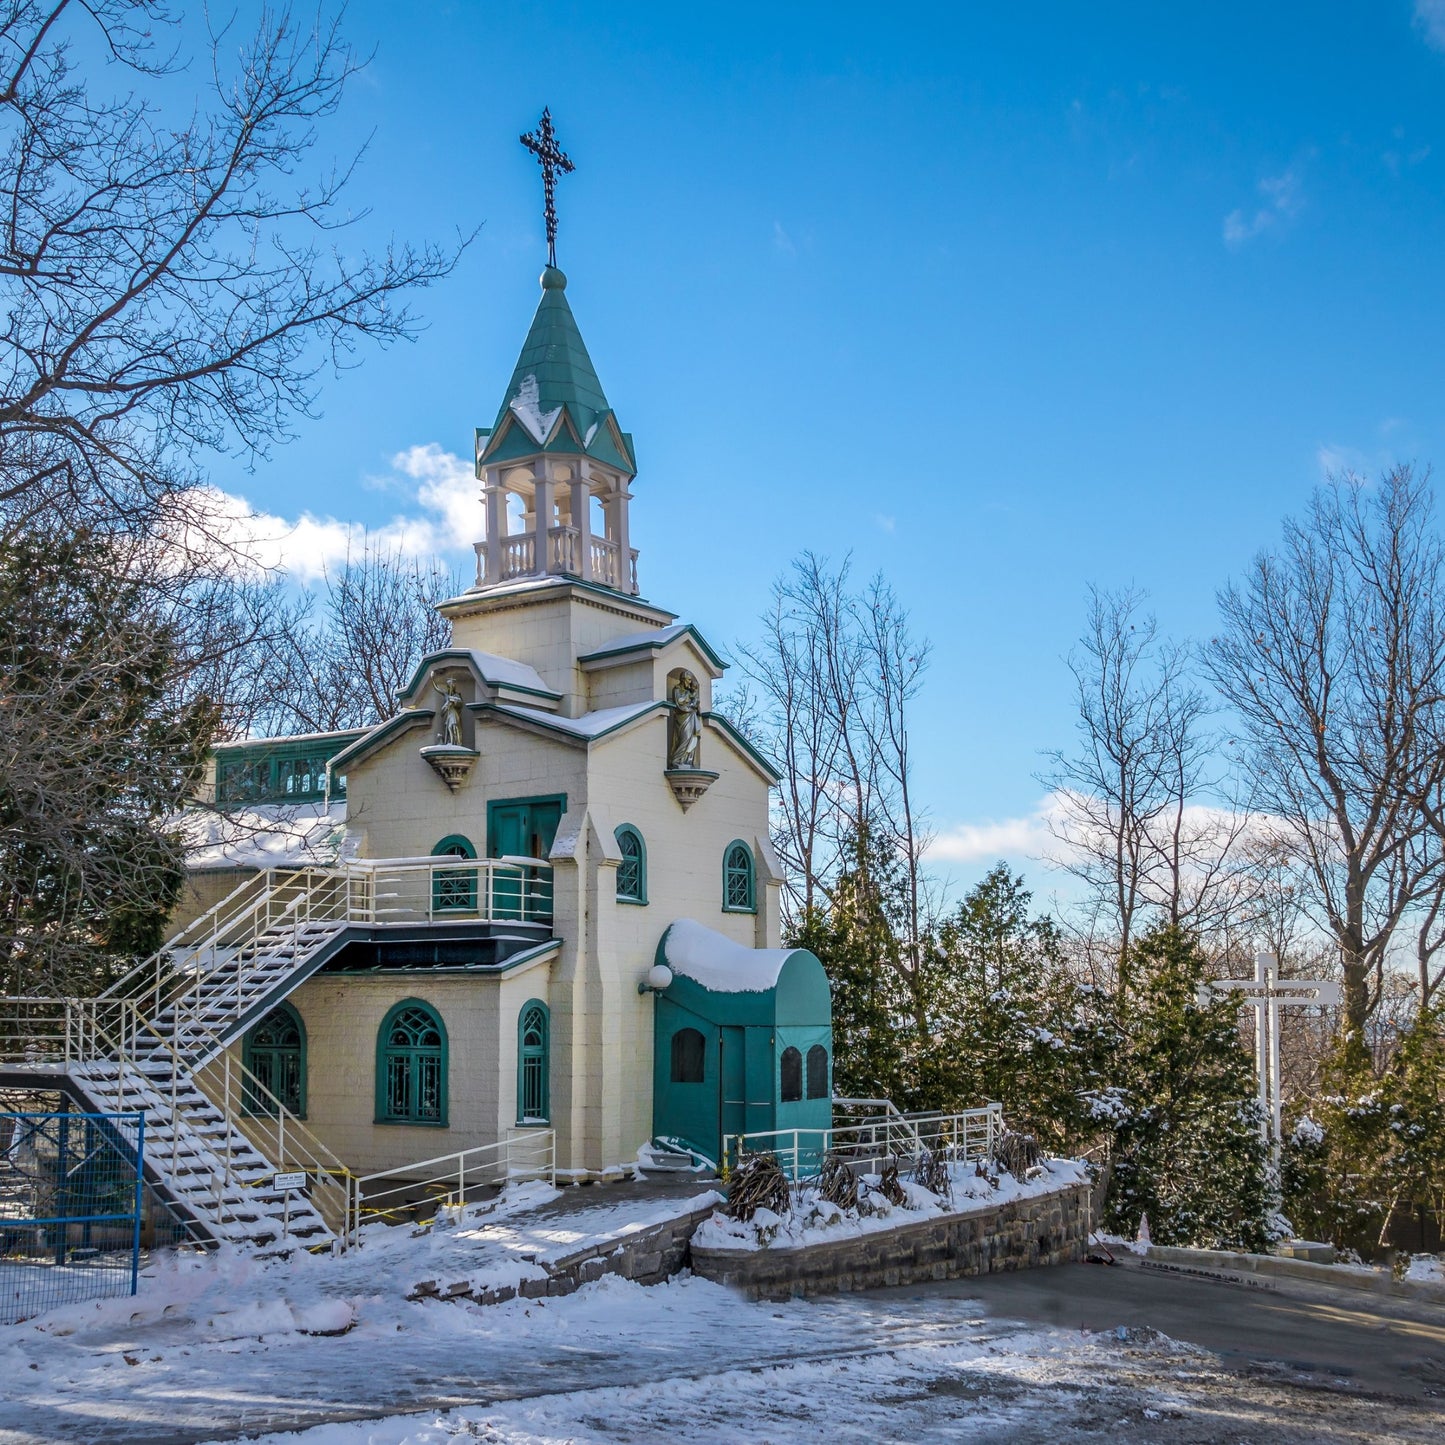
x=289, y=1181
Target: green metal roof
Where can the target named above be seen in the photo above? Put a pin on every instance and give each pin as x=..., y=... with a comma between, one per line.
x=554, y=401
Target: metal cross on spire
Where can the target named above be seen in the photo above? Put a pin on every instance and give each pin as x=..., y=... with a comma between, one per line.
x=542, y=142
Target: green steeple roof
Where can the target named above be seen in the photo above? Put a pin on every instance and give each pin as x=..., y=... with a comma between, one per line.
x=554, y=401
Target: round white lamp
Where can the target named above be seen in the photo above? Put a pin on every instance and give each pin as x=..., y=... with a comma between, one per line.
x=659, y=976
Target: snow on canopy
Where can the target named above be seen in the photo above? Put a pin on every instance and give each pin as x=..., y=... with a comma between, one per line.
x=716, y=962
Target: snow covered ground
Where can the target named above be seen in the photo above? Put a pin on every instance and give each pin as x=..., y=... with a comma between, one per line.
x=228, y=1346
x=812, y=1220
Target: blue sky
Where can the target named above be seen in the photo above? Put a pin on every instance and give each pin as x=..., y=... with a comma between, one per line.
x=1003, y=299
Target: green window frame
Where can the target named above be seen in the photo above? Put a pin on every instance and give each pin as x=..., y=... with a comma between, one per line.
x=411, y=1066
x=534, y=1064
x=740, y=894
x=274, y=1051
x=454, y=892
x=632, y=871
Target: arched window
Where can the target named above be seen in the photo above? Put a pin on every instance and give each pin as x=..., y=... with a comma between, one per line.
x=533, y=1065
x=454, y=891
x=792, y=1090
x=411, y=1066
x=817, y=1072
x=739, y=891
x=689, y=1054
x=275, y=1052
x=632, y=871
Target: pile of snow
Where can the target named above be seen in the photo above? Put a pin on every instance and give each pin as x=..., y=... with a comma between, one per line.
x=1428, y=1268
x=811, y=1219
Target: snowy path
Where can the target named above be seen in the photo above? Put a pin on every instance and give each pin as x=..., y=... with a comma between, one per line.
x=219, y=1347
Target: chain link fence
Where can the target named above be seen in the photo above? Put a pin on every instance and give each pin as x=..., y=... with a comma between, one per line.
x=71, y=1197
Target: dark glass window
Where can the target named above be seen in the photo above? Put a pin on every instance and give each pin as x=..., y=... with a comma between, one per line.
x=413, y=1066
x=275, y=1053
x=454, y=890
x=792, y=1090
x=689, y=1056
x=532, y=1064
x=632, y=871
x=817, y=1072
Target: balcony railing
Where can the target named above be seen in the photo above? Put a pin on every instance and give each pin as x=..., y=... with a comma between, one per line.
x=564, y=554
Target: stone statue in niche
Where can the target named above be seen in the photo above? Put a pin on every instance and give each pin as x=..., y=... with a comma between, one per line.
x=449, y=729
x=685, y=734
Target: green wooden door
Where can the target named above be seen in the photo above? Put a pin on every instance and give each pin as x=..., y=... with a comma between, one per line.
x=524, y=827
x=732, y=1083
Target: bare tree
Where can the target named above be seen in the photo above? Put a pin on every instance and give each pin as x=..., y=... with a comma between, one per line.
x=378, y=618
x=164, y=291
x=835, y=677
x=1332, y=654
x=1133, y=795
x=168, y=291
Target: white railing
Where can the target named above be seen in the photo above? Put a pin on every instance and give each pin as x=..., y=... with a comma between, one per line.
x=970, y=1134
x=114, y=1032
x=220, y=960
x=519, y=555
x=566, y=550
x=450, y=1180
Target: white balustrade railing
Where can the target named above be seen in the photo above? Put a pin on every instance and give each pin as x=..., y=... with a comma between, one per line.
x=562, y=554
x=519, y=555
x=566, y=552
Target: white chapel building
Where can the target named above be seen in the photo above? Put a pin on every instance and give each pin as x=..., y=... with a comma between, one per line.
x=541, y=895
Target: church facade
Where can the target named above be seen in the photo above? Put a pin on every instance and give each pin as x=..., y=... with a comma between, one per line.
x=559, y=907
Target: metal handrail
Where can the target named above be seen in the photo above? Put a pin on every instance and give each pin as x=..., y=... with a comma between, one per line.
x=969, y=1134
x=295, y=1144
x=448, y=1170
x=180, y=977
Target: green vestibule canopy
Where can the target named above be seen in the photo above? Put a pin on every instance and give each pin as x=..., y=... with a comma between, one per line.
x=743, y=1042
x=554, y=401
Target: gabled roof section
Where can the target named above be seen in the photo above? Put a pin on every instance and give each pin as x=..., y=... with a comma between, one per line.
x=591, y=727
x=503, y=673
x=554, y=401
x=633, y=646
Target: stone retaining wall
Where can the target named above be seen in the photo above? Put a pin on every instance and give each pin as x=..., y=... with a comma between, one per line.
x=649, y=1256
x=1046, y=1229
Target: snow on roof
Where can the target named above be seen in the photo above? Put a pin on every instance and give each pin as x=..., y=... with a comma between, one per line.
x=716, y=962
x=265, y=835
x=635, y=641
x=590, y=725
x=507, y=672
x=527, y=408
x=250, y=742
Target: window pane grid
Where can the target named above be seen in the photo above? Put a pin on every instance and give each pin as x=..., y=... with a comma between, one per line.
x=413, y=1069
x=738, y=878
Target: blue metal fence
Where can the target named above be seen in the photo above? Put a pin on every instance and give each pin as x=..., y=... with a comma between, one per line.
x=71, y=1195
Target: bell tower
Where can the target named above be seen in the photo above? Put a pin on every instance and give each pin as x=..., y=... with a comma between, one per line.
x=555, y=449
x=555, y=466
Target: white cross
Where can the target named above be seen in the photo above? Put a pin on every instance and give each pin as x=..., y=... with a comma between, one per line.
x=1266, y=995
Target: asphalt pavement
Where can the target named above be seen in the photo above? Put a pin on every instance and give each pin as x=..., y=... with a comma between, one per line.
x=1373, y=1343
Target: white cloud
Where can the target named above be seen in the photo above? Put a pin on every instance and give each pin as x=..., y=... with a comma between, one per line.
x=1282, y=198
x=1029, y=836
x=446, y=520
x=1430, y=19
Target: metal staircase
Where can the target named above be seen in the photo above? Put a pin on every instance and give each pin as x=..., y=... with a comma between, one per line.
x=159, y=1040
